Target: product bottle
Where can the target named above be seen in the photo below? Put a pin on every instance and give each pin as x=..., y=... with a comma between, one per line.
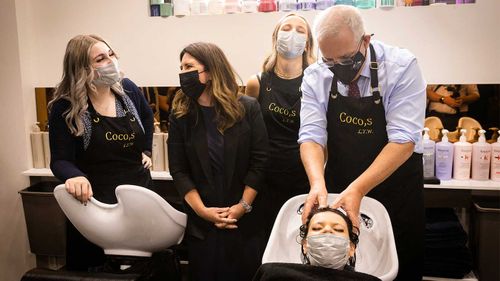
x=428, y=157
x=481, y=154
x=386, y=3
x=157, y=157
x=324, y=4
x=232, y=6
x=287, y=5
x=307, y=5
x=462, y=157
x=444, y=157
x=345, y=2
x=166, y=9
x=495, y=160
x=182, y=8
x=267, y=6
x=216, y=7
x=199, y=7
x=365, y=4
x=37, y=146
x=249, y=6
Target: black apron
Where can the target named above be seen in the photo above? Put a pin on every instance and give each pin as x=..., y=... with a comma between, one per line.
x=356, y=135
x=114, y=154
x=113, y=157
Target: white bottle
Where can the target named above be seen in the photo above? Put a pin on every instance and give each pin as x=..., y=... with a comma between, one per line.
x=182, y=7
x=495, y=160
x=158, y=155
x=429, y=154
x=215, y=7
x=462, y=158
x=481, y=154
x=249, y=6
x=199, y=7
x=46, y=148
x=444, y=157
x=37, y=147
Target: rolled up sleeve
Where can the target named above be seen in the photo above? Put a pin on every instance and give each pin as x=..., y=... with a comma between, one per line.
x=313, y=108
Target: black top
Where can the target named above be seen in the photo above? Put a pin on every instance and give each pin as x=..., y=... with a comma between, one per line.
x=245, y=155
x=280, y=104
x=65, y=148
x=215, y=140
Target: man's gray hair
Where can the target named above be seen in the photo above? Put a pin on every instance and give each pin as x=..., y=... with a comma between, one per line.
x=332, y=20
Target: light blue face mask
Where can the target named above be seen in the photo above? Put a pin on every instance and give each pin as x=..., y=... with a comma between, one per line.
x=107, y=75
x=328, y=250
x=291, y=44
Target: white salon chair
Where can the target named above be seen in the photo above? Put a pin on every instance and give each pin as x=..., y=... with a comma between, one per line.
x=141, y=223
x=375, y=254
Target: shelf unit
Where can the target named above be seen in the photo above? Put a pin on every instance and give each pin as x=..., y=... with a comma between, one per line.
x=45, y=172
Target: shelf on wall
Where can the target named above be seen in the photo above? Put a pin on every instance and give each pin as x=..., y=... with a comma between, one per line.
x=45, y=172
x=469, y=277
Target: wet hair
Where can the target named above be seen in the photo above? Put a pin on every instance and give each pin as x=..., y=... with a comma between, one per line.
x=351, y=229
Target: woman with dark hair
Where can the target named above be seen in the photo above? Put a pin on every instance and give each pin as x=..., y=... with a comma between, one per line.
x=217, y=150
x=329, y=239
x=328, y=246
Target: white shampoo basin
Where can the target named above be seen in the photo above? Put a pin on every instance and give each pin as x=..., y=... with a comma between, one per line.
x=141, y=223
x=376, y=252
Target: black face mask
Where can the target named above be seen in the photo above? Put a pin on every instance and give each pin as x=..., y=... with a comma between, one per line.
x=191, y=85
x=345, y=73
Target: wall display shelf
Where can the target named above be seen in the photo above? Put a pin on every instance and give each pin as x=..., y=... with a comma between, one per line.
x=48, y=173
x=469, y=277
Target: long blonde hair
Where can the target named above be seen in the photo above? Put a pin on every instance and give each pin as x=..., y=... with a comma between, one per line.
x=308, y=55
x=222, y=86
x=76, y=81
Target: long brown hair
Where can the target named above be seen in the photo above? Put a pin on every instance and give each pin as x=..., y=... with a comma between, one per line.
x=76, y=82
x=222, y=86
x=308, y=55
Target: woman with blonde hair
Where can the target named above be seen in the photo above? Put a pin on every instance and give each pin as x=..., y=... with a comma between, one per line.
x=100, y=129
x=278, y=91
x=217, y=150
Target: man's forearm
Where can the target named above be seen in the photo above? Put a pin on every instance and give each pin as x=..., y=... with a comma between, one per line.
x=313, y=159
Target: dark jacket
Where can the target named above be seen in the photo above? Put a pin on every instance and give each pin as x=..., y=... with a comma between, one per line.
x=245, y=154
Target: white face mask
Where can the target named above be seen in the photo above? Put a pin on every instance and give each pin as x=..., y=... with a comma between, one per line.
x=328, y=250
x=108, y=74
x=291, y=44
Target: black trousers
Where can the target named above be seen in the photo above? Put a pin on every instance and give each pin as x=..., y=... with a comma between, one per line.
x=224, y=255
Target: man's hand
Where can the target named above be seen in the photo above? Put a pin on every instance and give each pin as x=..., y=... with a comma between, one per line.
x=349, y=200
x=317, y=196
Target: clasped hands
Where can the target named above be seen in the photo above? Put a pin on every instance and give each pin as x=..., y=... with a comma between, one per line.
x=223, y=218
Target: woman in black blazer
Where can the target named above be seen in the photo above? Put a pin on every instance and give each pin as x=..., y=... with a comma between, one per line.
x=217, y=151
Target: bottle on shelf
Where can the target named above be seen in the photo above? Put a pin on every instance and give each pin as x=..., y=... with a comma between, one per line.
x=429, y=154
x=466, y=1
x=365, y=4
x=267, y=6
x=495, y=160
x=37, y=154
x=345, y=2
x=287, y=5
x=306, y=5
x=444, y=157
x=182, y=8
x=386, y=3
x=249, y=6
x=157, y=155
x=232, y=7
x=481, y=154
x=216, y=7
x=324, y=4
x=199, y=7
x=166, y=9
x=462, y=157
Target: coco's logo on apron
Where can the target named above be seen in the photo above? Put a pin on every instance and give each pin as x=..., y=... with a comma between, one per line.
x=128, y=138
x=285, y=114
x=361, y=123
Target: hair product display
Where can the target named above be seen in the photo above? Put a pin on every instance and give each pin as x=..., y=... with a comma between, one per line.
x=37, y=146
x=462, y=157
x=495, y=160
x=481, y=155
x=444, y=157
x=429, y=153
x=287, y=5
